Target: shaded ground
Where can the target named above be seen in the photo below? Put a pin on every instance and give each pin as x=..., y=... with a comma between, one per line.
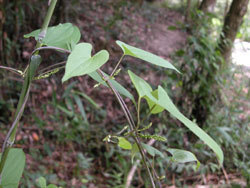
x=160, y=39
x=56, y=151
x=52, y=150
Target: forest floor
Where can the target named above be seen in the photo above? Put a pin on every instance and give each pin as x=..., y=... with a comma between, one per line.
x=157, y=30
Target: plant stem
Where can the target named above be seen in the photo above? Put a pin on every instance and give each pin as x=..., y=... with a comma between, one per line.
x=45, y=25
x=138, y=113
x=131, y=123
x=116, y=67
x=52, y=66
x=11, y=69
x=148, y=114
x=10, y=138
x=133, y=169
x=51, y=48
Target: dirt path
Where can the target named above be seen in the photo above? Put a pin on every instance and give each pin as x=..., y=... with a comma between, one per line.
x=162, y=40
x=241, y=53
x=158, y=38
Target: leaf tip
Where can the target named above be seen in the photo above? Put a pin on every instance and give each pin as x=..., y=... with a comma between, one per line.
x=64, y=79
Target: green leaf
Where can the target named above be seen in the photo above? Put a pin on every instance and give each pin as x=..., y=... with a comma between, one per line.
x=152, y=151
x=89, y=99
x=154, y=107
x=81, y=108
x=68, y=89
x=124, y=144
x=141, y=86
x=52, y=186
x=134, y=151
x=144, y=90
x=166, y=103
x=80, y=61
x=63, y=36
x=65, y=110
x=117, y=86
x=13, y=168
x=182, y=156
x=42, y=182
x=144, y=55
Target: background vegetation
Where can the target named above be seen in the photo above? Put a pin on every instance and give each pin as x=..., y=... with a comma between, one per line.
x=63, y=128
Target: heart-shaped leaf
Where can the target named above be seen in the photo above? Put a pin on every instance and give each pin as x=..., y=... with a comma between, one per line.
x=182, y=156
x=13, y=168
x=141, y=86
x=124, y=143
x=64, y=36
x=80, y=61
x=154, y=107
x=144, y=55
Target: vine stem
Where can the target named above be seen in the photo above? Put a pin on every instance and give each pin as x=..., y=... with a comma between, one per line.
x=138, y=113
x=131, y=124
x=11, y=69
x=149, y=113
x=133, y=169
x=46, y=22
x=50, y=48
x=10, y=138
x=52, y=66
x=116, y=67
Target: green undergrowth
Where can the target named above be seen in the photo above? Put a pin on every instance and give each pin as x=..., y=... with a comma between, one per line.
x=67, y=132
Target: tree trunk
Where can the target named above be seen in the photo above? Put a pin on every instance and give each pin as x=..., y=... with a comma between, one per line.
x=2, y=20
x=232, y=23
x=207, y=5
x=188, y=11
x=226, y=8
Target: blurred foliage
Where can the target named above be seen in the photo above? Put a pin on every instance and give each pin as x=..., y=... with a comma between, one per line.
x=244, y=32
x=233, y=132
x=70, y=149
x=201, y=78
x=208, y=93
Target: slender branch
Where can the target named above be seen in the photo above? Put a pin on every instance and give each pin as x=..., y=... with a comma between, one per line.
x=14, y=123
x=7, y=143
x=136, y=138
x=116, y=67
x=51, y=48
x=12, y=70
x=148, y=114
x=133, y=169
x=131, y=123
x=117, y=96
x=138, y=113
x=45, y=25
x=155, y=173
x=10, y=138
x=52, y=66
